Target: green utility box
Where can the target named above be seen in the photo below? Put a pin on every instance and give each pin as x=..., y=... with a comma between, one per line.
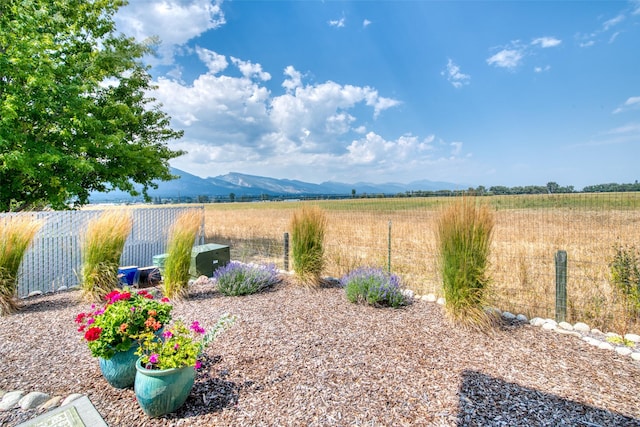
x=159, y=260
x=205, y=259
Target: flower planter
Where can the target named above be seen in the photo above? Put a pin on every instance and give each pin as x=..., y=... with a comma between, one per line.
x=162, y=391
x=120, y=370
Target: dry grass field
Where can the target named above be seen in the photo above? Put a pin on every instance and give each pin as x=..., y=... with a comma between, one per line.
x=400, y=232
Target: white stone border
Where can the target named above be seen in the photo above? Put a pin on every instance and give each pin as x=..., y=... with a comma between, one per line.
x=594, y=337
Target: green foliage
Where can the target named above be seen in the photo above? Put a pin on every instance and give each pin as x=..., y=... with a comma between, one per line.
x=179, y=346
x=16, y=234
x=102, y=247
x=308, y=227
x=182, y=236
x=125, y=316
x=464, y=237
x=374, y=287
x=625, y=276
x=237, y=278
x=75, y=115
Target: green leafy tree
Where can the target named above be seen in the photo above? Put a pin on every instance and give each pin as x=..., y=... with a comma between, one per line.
x=75, y=114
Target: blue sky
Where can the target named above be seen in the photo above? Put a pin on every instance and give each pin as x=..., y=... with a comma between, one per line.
x=472, y=92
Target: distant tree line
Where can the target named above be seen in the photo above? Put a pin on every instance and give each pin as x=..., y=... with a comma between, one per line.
x=499, y=190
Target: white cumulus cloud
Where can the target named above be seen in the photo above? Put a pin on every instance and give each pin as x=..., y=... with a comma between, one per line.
x=506, y=58
x=175, y=22
x=455, y=76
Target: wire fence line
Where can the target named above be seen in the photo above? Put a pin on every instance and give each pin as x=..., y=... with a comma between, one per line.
x=54, y=259
x=399, y=234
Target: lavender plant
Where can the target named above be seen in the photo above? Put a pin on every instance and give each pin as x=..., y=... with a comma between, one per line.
x=373, y=286
x=237, y=278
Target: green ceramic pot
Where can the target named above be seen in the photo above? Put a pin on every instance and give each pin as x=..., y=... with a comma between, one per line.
x=120, y=370
x=161, y=392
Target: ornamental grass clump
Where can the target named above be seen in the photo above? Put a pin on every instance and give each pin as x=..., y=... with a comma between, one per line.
x=308, y=226
x=373, y=286
x=237, y=278
x=102, y=246
x=16, y=234
x=117, y=325
x=179, y=346
x=182, y=237
x=464, y=231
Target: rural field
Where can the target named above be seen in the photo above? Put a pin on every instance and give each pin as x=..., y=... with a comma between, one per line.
x=400, y=233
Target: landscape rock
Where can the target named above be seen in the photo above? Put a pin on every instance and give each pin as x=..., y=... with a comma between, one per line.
x=567, y=332
x=54, y=402
x=590, y=340
x=613, y=335
x=548, y=326
x=597, y=331
x=407, y=293
x=508, y=316
x=566, y=326
x=71, y=398
x=635, y=356
x=605, y=346
x=440, y=301
x=632, y=337
x=537, y=321
x=623, y=351
x=429, y=298
x=581, y=327
x=522, y=318
x=10, y=399
x=33, y=400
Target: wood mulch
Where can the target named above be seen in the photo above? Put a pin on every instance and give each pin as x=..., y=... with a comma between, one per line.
x=298, y=357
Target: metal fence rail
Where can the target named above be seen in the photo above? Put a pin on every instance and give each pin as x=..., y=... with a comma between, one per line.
x=54, y=258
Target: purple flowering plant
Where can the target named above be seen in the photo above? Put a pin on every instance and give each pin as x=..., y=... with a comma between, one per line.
x=237, y=278
x=179, y=345
x=373, y=286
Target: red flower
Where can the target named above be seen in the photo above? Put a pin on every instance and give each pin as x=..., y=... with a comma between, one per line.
x=80, y=317
x=92, y=334
x=148, y=296
x=164, y=299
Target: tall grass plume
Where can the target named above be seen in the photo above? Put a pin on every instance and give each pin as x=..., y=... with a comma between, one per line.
x=182, y=236
x=308, y=227
x=16, y=234
x=464, y=231
x=102, y=246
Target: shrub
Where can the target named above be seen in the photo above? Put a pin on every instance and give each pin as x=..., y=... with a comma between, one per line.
x=102, y=248
x=373, y=286
x=15, y=236
x=625, y=277
x=182, y=236
x=464, y=232
x=237, y=278
x=307, y=244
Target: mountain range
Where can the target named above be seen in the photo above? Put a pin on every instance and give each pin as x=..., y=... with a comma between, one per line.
x=243, y=185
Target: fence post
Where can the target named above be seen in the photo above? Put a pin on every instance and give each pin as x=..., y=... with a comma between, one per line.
x=286, y=251
x=389, y=256
x=561, y=286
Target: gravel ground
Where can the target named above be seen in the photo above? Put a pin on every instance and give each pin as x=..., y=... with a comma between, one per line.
x=298, y=357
